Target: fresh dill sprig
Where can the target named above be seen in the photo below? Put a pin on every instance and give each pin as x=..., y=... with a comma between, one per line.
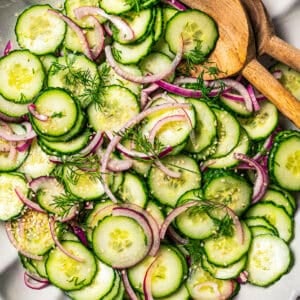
x=65, y=202
x=81, y=83
x=194, y=248
x=141, y=142
x=73, y=167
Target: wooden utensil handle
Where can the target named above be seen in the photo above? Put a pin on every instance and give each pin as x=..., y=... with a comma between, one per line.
x=283, y=52
x=264, y=81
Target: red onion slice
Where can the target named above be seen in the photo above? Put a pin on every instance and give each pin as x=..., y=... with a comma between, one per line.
x=108, y=29
x=262, y=179
x=176, y=4
x=148, y=280
x=173, y=214
x=152, y=222
x=14, y=242
x=33, y=111
x=29, y=135
x=99, y=38
x=122, y=26
x=94, y=144
x=12, y=155
x=28, y=202
x=142, y=79
x=166, y=170
x=57, y=242
x=142, y=221
x=8, y=48
x=119, y=165
x=79, y=232
x=243, y=277
x=77, y=30
x=162, y=122
x=128, y=288
x=23, y=146
x=176, y=237
x=33, y=283
x=252, y=95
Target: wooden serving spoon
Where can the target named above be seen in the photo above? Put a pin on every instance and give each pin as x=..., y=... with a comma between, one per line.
x=235, y=53
x=266, y=40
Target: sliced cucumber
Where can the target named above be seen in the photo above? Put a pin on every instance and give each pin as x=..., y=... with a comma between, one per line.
x=284, y=163
x=259, y=230
x=236, y=107
x=205, y=129
x=200, y=282
x=61, y=110
x=133, y=190
x=141, y=22
x=168, y=190
x=22, y=76
x=118, y=105
x=277, y=216
x=168, y=273
x=225, y=250
x=119, y=241
x=264, y=267
x=131, y=54
x=66, y=272
x=99, y=287
x=12, y=109
x=227, y=188
x=10, y=204
x=110, y=77
x=116, y=7
x=78, y=75
x=290, y=79
x=158, y=25
x=262, y=123
x=196, y=30
x=40, y=31
x=229, y=272
x=260, y=222
x=228, y=133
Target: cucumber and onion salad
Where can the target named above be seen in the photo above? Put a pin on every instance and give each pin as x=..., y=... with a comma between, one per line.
x=123, y=177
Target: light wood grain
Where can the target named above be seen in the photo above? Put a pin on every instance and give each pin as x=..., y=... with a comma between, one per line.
x=266, y=39
x=235, y=52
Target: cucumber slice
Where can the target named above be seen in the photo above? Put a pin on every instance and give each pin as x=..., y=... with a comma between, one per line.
x=133, y=190
x=76, y=74
x=277, y=216
x=236, y=107
x=132, y=54
x=168, y=274
x=260, y=222
x=259, y=230
x=10, y=164
x=227, y=188
x=61, y=110
x=181, y=294
x=223, y=251
x=10, y=204
x=168, y=190
x=156, y=63
x=116, y=7
x=264, y=267
x=284, y=163
x=141, y=22
x=99, y=287
x=22, y=76
x=229, y=160
x=39, y=31
x=118, y=105
x=156, y=211
x=196, y=30
x=12, y=109
x=194, y=223
x=36, y=238
x=205, y=129
x=67, y=273
x=110, y=77
x=228, y=133
x=199, y=284
x=230, y=272
x=119, y=241
x=262, y=123
x=83, y=186
x=71, y=5
x=158, y=25
x=279, y=199
x=172, y=133
x=290, y=79
x=67, y=148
